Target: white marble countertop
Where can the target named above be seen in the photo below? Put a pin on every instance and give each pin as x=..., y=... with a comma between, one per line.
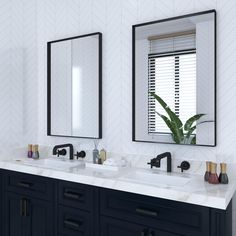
x=195, y=191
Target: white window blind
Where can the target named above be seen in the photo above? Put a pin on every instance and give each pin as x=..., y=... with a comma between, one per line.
x=172, y=76
x=173, y=44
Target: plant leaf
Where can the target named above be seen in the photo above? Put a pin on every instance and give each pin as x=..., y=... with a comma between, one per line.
x=193, y=141
x=191, y=131
x=173, y=117
x=177, y=133
x=191, y=120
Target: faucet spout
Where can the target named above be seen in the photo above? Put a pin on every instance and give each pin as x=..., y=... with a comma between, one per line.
x=55, y=150
x=157, y=161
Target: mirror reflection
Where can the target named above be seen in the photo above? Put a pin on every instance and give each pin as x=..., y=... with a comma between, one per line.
x=74, y=83
x=174, y=80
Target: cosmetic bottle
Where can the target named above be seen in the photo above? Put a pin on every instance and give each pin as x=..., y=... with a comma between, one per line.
x=223, y=177
x=35, y=154
x=95, y=152
x=207, y=173
x=30, y=152
x=213, y=178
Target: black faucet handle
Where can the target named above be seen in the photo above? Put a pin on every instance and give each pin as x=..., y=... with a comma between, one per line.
x=61, y=152
x=185, y=165
x=154, y=162
x=81, y=154
x=150, y=163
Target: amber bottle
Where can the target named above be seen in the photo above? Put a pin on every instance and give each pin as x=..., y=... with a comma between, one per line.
x=213, y=178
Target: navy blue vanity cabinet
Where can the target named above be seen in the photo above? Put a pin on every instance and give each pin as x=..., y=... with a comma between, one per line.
x=77, y=209
x=115, y=227
x=221, y=221
x=40, y=206
x=155, y=216
x=28, y=205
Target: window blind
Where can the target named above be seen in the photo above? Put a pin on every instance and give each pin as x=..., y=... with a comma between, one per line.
x=173, y=44
x=172, y=76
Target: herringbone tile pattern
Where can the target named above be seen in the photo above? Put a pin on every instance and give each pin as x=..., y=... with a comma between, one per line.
x=26, y=26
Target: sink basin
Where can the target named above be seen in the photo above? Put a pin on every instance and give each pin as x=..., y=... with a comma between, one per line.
x=156, y=178
x=58, y=164
x=73, y=165
x=102, y=171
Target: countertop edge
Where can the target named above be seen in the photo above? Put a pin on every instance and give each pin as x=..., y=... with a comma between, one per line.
x=137, y=188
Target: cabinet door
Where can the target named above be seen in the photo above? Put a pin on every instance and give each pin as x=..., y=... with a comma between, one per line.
x=28, y=217
x=15, y=223
x=114, y=227
x=41, y=218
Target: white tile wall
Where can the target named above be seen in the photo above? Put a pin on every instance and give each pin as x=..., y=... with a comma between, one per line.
x=60, y=18
x=18, y=72
x=26, y=26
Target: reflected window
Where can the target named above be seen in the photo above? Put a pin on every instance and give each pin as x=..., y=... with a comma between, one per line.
x=172, y=76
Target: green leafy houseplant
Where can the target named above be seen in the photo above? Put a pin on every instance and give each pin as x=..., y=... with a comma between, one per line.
x=180, y=133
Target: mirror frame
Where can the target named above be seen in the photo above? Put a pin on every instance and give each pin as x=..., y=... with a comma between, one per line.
x=215, y=74
x=99, y=85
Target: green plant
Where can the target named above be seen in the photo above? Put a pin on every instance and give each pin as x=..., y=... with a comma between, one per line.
x=180, y=133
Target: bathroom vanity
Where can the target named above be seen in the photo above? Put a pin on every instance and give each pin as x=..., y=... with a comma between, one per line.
x=37, y=205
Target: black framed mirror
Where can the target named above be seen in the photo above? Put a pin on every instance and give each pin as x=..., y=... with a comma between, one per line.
x=174, y=80
x=75, y=86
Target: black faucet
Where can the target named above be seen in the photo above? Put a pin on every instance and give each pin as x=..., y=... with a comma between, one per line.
x=58, y=152
x=157, y=161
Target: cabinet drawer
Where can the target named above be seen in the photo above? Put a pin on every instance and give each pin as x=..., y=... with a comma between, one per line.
x=74, y=222
x=113, y=227
x=164, y=214
x=35, y=186
x=76, y=195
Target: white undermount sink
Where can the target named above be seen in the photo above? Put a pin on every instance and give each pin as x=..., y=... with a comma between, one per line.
x=65, y=164
x=155, y=178
x=58, y=164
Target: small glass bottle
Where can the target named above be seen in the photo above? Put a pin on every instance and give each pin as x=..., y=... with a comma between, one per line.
x=213, y=178
x=95, y=152
x=30, y=152
x=223, y=178
x=35, y=152
x=103, y=155
x=208, y=171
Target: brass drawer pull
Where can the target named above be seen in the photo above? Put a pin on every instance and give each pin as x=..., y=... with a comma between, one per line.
x=72, y=195
x=72, y=223
x=146, y=212
x=23, y=207
x=24, y=184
